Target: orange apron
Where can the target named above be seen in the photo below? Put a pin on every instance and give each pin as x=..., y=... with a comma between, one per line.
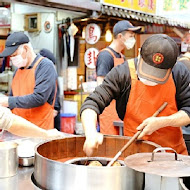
x=143, y=102
x=23, y=84
x=109, y=114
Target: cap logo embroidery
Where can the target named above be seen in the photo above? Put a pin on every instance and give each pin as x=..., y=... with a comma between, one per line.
x=158, y=58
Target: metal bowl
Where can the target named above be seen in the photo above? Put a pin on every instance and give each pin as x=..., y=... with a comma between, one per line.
x=26, y=161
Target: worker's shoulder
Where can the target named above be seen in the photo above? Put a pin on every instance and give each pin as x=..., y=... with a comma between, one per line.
x=185, y=56
x=179, y=66
x=45, y=63
x=46, y=67
x=105, y=53
x=180, y=69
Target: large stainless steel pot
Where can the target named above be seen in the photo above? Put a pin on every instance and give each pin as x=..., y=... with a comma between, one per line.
x=8, y=159
x=51, y=173
x=162, y=170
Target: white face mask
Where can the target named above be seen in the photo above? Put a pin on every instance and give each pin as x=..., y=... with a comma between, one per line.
x=130, y=43
x=18, y=61
x=147, y=82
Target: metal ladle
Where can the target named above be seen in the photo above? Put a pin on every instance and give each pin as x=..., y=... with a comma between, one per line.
x=134, y=137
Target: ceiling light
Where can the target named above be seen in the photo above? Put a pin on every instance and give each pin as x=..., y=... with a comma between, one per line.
x=108, y=36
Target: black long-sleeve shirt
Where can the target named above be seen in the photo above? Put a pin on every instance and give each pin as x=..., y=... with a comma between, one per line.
x=44, y=90
x=117, y=85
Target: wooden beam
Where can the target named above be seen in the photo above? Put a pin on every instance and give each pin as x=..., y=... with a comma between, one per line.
x=85, y=4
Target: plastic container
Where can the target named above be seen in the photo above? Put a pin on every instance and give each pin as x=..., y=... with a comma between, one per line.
x=79, y=129
x=68, y=122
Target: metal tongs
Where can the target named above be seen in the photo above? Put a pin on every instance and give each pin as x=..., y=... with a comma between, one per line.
x=134, y=137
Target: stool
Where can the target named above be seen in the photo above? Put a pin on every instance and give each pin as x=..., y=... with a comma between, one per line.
x=120, y=125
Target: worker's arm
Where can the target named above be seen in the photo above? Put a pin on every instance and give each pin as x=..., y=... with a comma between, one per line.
x=151, y=124
x=24, y=128
x=21, y=127
x=93, y=138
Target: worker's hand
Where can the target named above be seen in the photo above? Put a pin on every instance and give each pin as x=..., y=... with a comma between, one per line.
x=5, y=118
x=54, y=133
x=4, y=101
x=149, y=125
x=92, y=142
x=55, y=112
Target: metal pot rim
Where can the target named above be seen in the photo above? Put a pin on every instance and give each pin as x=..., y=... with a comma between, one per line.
x=81, y=136
x=8, y=145
x=26, y=161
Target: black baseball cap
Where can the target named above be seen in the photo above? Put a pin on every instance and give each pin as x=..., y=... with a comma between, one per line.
x=13, y=41
x=125, y=25
x=159, y=54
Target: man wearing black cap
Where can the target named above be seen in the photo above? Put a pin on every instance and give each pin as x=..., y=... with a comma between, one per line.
x=34, y=83
x=124, y=37
x=140, y=86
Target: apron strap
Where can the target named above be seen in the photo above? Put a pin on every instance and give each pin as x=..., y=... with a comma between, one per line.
x=184, y=58
x=111, y=52
x=55, y=94
x=37, y=62
x=132, y=69
x=35, y=65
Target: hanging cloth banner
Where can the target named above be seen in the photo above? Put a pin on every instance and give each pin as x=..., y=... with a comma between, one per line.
x=72, y=30
x=147, y=6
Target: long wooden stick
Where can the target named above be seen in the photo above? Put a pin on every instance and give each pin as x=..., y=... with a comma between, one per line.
x=134, y=137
